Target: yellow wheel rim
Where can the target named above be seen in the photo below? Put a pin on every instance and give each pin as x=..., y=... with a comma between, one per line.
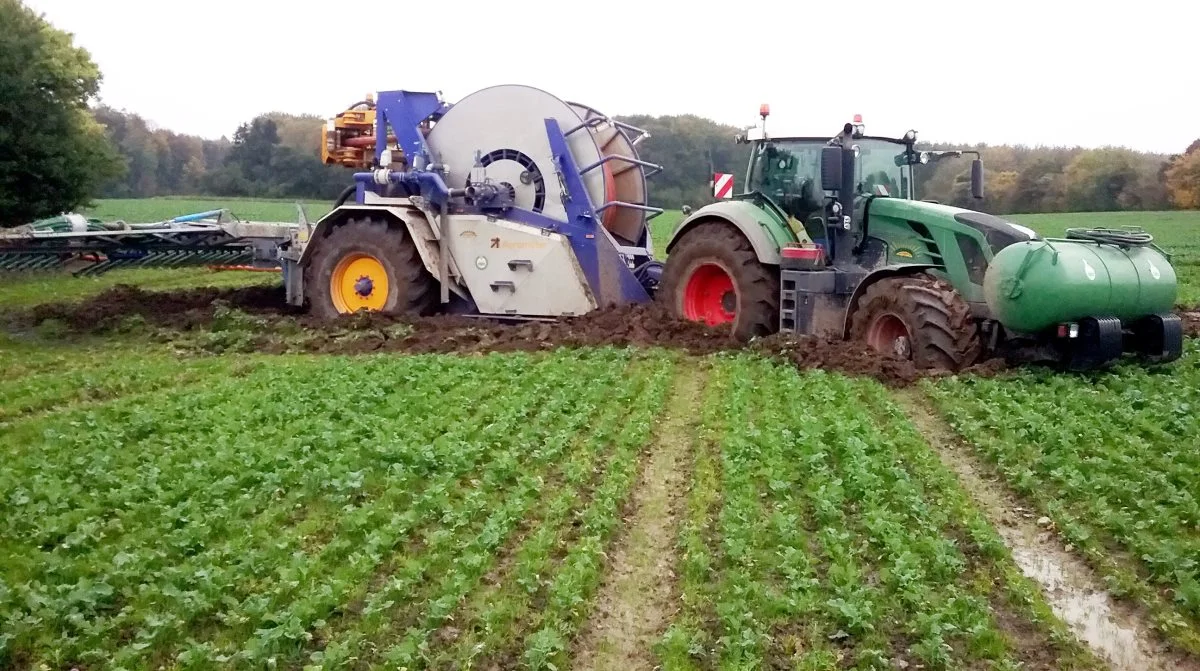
x=359, y=282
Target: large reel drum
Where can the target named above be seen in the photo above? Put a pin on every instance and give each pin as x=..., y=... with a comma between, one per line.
x=502, y=129
x=627, y=177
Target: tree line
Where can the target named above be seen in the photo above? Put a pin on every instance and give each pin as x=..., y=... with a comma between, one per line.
x=271, y=156
x=59, y=150
x=277, y=155
x=1019, y=179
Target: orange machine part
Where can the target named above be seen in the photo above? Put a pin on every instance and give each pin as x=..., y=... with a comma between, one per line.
x=364, y=141
x=610, y=194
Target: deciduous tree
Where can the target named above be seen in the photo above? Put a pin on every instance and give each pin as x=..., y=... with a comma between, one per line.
x=54, y=156
x=1102, y=179
x=1183, y=178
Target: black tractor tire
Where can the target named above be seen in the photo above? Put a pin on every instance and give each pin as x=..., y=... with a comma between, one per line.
x=941, y=333
x=411, y=289
x=755, y=284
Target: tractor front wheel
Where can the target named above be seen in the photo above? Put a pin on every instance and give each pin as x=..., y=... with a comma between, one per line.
x=714, y=276
x=368, y=265
x=917, y=318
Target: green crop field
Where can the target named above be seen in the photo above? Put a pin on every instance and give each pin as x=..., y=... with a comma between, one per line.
x=161, y=209
x=166, y=503
x=828, y=534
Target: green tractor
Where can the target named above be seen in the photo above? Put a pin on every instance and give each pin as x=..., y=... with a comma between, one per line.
x=829, y=238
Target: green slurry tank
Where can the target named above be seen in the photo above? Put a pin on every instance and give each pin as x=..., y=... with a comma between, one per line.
x=1036, y=284
x=1104, y=288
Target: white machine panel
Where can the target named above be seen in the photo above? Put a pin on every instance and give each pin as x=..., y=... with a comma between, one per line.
x=512, y=268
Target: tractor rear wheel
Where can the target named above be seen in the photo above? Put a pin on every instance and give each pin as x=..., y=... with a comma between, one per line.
x=368, y=264
x=714, y=276
x=918, y=318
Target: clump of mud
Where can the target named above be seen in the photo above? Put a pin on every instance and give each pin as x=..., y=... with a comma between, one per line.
x=637, y=325
x=177, y=309
x=1191, y=322
x=806, y=352
x=646, y=325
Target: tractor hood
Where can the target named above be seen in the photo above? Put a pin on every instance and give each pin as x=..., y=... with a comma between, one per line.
x=999, y=232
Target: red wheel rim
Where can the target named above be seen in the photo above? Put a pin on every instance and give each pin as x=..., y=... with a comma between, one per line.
x=889, y=335
x=709, y=296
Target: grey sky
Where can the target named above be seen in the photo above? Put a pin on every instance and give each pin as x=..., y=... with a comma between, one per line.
x=1055, y=72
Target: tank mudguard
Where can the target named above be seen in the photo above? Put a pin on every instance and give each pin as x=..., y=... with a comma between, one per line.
x=765, y=230
x=895, y=270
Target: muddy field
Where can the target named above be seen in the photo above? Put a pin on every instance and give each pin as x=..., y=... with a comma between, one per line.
x=197, y=310
x=648, y=325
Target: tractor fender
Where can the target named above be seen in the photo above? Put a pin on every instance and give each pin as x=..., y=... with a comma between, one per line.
x=765, y=233
x=873, y=277
x=412, y=217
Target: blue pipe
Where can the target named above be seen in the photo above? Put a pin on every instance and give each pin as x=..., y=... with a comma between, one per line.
x=430, y=184
x=195, y=217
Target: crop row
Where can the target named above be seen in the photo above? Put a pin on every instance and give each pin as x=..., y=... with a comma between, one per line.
x=255, y=517
x=546, y=545
x=41, y=386
x=1112, y=460
x=821, y=531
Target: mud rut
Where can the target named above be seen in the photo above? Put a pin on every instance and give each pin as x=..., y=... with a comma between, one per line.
x=1118, y=632
x=637, y=597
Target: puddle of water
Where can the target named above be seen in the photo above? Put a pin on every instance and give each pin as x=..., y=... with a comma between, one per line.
x=1088, y=612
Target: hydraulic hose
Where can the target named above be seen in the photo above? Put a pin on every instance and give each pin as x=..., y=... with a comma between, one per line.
x=344, y=196
x=1111, y=236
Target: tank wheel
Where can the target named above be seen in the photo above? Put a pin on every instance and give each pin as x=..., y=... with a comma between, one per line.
x=368, y=264
x=714, y=276
x=917, y=318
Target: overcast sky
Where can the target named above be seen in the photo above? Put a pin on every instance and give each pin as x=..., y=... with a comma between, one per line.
x=1054, y=72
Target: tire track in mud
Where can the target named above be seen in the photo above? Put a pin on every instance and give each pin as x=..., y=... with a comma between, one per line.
x=638, y=594
x=1118, y=633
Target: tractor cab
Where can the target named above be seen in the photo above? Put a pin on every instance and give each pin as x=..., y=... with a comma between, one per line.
x=827, y=185
x=788, y=171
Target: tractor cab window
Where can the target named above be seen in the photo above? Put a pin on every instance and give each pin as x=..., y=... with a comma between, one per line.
x=789, y=172
x=877, y=168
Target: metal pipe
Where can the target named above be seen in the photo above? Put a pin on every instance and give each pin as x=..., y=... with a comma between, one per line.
x=364, y=141
x=196, y=217
x=632, y=206
x=618, y=157
x=443, y=254
x=429, y=184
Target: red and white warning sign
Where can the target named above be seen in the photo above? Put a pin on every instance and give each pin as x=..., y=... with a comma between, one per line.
x=723, y=185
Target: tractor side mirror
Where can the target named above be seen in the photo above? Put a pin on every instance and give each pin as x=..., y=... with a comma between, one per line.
x=977, y=178
x=831, y=168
